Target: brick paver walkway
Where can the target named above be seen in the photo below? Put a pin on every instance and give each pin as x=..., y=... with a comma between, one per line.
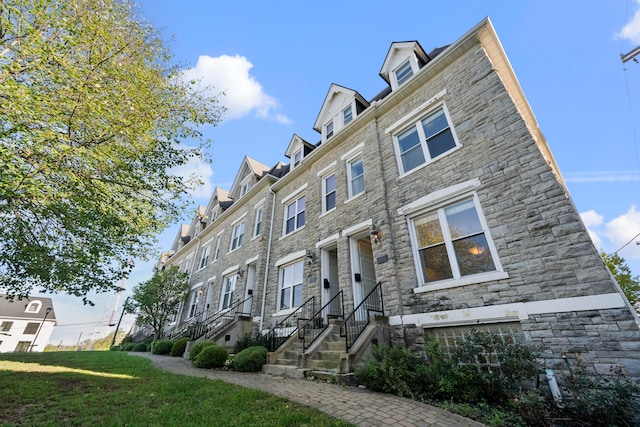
x=355, y=405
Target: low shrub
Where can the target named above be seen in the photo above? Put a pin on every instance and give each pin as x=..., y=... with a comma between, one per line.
x=179, y=346
x=162, y=347
x=114, y=348
x=250, y=359
x=211, y=357
x=139, y=347
x=391, y=370
x=255, y=339
x=197, y=348
x=128, y=346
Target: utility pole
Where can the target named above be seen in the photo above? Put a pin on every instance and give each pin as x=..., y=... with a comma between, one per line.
x=124, y=309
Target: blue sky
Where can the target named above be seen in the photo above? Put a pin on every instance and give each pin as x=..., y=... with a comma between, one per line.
x=275, y=62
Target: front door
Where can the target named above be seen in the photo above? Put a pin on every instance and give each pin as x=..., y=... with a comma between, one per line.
x=251, y=278
x=329, y=283
x=364, y=274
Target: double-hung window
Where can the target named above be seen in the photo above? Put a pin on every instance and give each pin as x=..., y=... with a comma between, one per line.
x=403, y=73
x=294, y=215
x=425, y=140
x=257, y=228
x=204, y=259
x=329, y=192
x=329, y=130
x=355, y=173
x=290, y=286
x=236, y=236
x=228, y=288
x=297, y=158
x=216, y=253
x=452, y=242
x=347, y=115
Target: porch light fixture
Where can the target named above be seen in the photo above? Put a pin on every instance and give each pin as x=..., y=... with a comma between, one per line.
x=375, y=233
x=310, y=257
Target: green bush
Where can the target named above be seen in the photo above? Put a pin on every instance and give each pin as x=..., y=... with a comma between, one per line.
x=196, y=348
x=179, y=346
x=250, y=359
x=128, y=346
x=162, y=347
x=114, y=348
x=251, y=340
x=211, y=357
x=139, y=347
x=391, y=370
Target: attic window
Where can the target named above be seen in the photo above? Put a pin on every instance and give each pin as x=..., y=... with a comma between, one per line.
x=245, y=187
x=33, y=307
x=347, y=115
x=297, y=158
x=403, y=73
x=329, y=130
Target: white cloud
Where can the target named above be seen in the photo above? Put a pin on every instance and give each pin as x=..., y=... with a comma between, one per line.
x=604, y=176
x=197, y=168
x=243, y=94
x=615, y=233
x=631, y=31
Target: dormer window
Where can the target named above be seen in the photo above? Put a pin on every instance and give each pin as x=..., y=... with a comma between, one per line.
x=347, y=115
x=403, y=73
x=297, y=158
x=33, y=307
x=245, y=187
x=329, y=129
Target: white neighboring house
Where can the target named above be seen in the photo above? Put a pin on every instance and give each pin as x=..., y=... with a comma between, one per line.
x=26, y=325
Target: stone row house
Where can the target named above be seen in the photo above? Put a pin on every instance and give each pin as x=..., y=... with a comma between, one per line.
x=437, y=206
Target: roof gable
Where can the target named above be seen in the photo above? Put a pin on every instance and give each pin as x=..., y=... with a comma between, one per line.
x=249, y=169
x=398, y=53
x=337, y=100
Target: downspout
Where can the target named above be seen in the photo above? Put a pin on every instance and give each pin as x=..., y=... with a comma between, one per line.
x=266, y=269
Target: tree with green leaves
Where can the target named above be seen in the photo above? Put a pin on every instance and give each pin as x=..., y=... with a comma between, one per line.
x=94, y=117
x=159, y=298
x=630, y=285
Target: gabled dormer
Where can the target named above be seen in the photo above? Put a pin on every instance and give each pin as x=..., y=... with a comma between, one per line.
x=403, y=61
x=297, y=150
x=341, y=106
x=218, y=203
x=182, y=238
x=249, y=173
x=199, y=221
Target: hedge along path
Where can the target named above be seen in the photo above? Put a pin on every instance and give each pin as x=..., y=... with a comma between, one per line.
x=352, y=404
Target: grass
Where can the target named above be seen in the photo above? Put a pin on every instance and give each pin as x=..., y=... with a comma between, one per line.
x=114, y=389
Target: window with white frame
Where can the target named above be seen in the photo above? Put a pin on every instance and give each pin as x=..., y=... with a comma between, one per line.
x=193, y=304
x=347, y=115
x=329, y=192
x=291, y=279
x=6, y=326
x=297, y=158
x=403, y=73
x=257, y=227
x=452, y=242
x=33, y=307
x=204, y=259
x=245, y=187
x=294, y=215
x=237, y=236
x=425, y=140
x=328, y=130
x=187, y=266
x=355, y=174
x=228, y=288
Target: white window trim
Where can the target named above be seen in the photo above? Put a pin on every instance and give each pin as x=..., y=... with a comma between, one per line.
x=416, y=113
x=230, y=270
x=293, y=158
x=323, y=181
x=291, y=257
x=240, y=218
x=439, y=196
x=294, y=194
x=361, y=226
x=252, y=260
x=216, y=251
x=33, y=303
x=293, y=198
x=353, y=153
x=205, y=247
x=351, y=105
x=329, y=168
x=233, y=228
x=497, y=274
x=234, y=277
x=297, y=260
x=329, y=240
x=348, y=162
x=428, y=160
x=258, y=207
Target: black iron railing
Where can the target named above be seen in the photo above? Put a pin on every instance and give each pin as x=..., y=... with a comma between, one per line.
x=214, y=323
x=319, y=322
x=355, y=323
x=290, y=324
x=179, y=330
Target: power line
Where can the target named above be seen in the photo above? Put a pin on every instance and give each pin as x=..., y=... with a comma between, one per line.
x=623, y=246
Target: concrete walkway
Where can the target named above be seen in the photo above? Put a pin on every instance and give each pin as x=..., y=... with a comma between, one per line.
x=352, y=404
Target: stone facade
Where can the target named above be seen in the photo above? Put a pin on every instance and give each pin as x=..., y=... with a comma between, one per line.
x=361, y=208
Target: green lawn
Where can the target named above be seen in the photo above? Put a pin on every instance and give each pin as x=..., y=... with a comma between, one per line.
x=114, y=389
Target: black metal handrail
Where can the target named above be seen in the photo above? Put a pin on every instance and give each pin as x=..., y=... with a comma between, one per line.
x=319, y=322
x=180, y=329
x=290, y=324
x=222, y=318
x=355, y=323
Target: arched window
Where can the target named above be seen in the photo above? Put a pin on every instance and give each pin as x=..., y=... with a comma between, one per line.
x=33, y=307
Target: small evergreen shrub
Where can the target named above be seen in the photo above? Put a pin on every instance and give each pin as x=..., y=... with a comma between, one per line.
x=255, y=339
x=391, y=370
x=139, y=347
x=128, y=346
x=162, y=347
x=179, y=346
x=197, y=348
x=114, y=348
x=250, y=359
x=211, y=357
